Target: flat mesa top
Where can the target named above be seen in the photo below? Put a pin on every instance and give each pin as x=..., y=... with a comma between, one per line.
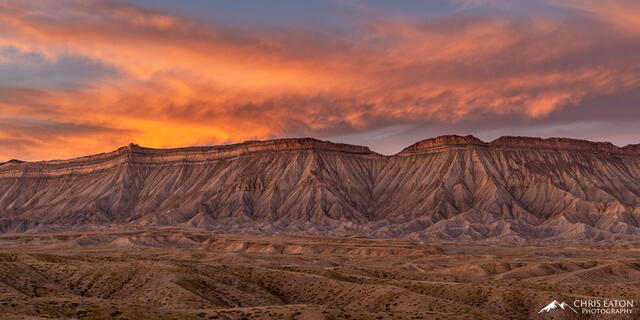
x=289, y=144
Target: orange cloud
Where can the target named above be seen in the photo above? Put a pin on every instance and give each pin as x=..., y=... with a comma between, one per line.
x=181, y=82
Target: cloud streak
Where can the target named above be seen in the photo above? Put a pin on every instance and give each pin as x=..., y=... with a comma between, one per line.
x=176, y=81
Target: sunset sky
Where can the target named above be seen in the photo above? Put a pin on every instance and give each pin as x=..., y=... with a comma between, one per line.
x=79, y=77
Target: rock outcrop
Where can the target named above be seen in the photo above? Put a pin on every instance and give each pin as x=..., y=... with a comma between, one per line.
x=449, y=188
x=12, y=161
x=632, y=148
x=442, y=143
x=559, y=144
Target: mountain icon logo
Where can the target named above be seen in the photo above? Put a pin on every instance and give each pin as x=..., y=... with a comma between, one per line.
x=554, y=305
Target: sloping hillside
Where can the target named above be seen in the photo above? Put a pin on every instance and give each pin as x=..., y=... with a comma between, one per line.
x=446, y=188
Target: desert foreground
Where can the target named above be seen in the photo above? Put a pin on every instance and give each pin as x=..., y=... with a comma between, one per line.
x=173, y=273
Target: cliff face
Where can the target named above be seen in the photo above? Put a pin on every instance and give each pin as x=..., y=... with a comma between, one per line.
x=134, y=154
x=442, y=143
x=447, y=188
x=559, y=144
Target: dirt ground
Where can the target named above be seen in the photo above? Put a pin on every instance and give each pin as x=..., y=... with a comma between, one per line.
x=173, y=273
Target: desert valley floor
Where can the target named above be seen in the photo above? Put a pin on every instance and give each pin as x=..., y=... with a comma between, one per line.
x=174, y=273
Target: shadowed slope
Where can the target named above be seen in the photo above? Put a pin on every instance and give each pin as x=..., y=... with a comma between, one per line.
x=446, y=188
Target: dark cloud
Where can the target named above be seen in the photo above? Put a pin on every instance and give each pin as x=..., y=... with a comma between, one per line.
x=47, y=128
x=32, y=70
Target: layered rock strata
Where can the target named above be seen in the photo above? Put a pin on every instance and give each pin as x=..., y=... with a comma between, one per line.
x=450, y=188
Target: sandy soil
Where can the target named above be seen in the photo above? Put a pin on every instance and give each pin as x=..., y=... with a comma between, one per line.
x=171, y=273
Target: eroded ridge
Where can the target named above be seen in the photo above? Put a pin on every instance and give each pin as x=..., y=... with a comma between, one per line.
x=173, y=273
x=450, y=188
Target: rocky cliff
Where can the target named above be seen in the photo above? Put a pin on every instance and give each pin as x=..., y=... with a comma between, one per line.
x=447, y=188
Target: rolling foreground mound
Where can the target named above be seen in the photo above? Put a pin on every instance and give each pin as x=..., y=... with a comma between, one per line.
x=174, y=273
x=450, y=188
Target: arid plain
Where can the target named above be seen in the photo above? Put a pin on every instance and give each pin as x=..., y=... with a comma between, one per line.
x=175, y=273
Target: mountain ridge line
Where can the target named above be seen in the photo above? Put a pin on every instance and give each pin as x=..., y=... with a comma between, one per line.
x=306, y=143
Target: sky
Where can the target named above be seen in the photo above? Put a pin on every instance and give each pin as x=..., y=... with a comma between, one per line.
x=80, y=77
